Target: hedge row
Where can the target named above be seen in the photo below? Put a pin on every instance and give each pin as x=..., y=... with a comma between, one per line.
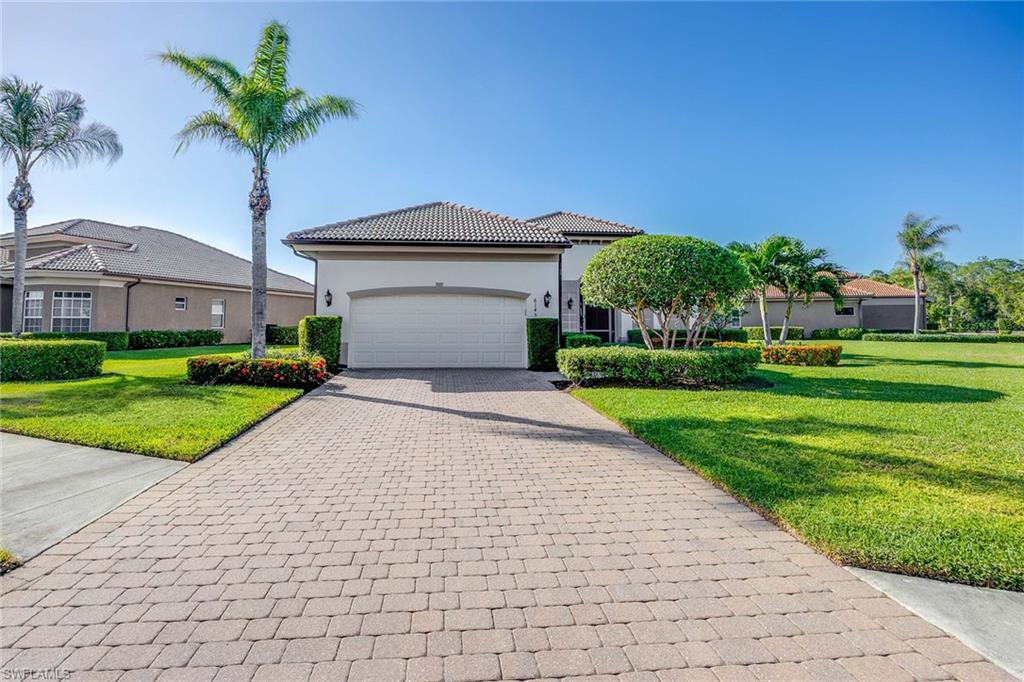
x=321, y=335
x=757, y=333
x=33, y=360
x=657, y=367
x=725, y=334
x=580, y=340
x=846, y=333
x=541, y=343
x=305, y=373
x=282, y=336
x=112, y=340
x=935, y=338
x=173, y=338
x=811, y=355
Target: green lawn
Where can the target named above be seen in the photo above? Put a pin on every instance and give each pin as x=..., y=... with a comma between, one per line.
x=906, y=457
x=140, y=404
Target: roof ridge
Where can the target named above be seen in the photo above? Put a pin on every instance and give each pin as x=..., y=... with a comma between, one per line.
x=381, y=214
x=44, y=258
x=91, y=248
x=502, y=216
x=590, y=217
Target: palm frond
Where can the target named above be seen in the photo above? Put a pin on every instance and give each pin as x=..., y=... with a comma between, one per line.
x=211, y=74
x=270, y=63
x=212, y=126
x=304, y=118
x=93, y=142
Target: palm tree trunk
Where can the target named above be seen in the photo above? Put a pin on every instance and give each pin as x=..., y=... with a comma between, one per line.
x=20, y=199
x=762, y=301
x=785, y=323
x=917, y=301
x=259, y=204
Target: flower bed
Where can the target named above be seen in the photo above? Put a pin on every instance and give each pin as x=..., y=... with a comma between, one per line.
x=657, y=367
x=32, y=360
x=305, y=373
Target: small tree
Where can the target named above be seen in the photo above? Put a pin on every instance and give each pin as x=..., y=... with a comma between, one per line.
x=804, y=273
x=920, y=237
x=761, y=261
x=681, y=279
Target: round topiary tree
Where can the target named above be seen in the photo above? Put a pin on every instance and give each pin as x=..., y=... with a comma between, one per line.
x=681, y=280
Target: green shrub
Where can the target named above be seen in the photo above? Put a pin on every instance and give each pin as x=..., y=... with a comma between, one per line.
x=1007, y=337
x=933, y=338
x=112, y=340
x=657, y=367
x=811, y=355
x=757, y=333
x=847, y=333
x=32, y=360
x=725, y=334
x=173, y=338
x=541, y=343
x=321, y=335
x=282, y=336
x=580, y=340
x=305, y=373
x=731, y=334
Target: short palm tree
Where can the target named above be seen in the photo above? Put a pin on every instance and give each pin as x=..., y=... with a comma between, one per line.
x=920, y=238
x=762, y=261
x=806, y=272
x=42, y=128
x=258, y=114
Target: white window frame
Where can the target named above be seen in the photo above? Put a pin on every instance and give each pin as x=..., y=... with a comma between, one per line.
x=35, y=296
x=183, y=300
x=72, y=296
x=214, y=314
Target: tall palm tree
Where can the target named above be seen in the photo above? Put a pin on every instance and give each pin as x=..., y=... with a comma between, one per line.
x=762, y=261
x=257, y=114
x=920, y=238
x=806, y=272
x=38, y=127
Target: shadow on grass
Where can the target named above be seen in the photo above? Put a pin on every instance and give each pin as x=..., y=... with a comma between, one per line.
x=849, y=388
x=859, y=360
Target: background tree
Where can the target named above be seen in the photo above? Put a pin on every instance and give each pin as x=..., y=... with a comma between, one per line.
x=47, y=128
x=804, y=273
x=257, y=114
x=920, y=238
x=761, y=261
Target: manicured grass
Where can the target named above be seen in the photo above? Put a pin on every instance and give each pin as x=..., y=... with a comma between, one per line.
x=140, y=404
x=905, y=458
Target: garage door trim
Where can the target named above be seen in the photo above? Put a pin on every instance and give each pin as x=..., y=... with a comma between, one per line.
x=398, y=291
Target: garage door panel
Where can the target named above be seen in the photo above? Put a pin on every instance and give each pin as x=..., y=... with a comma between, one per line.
x=438, y=330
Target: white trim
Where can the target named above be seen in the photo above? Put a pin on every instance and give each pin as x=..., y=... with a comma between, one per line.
x=86, y=296
x=184, y=302
x=223, y=313
x=464, y=250
x=41, y=298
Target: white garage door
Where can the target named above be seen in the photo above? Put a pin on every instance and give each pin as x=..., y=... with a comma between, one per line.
x=437, y=330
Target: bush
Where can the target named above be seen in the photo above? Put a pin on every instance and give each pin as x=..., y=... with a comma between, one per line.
x=1007, y=337
x=580, y=340
x=282, y=336
x=112, y=340
x=321, y=335
x=32, y=360
x=731, y=334
x=933, y=338
x=757, y=333
x=541, y=343
x=847, y=333
x=640, y=366
x=812, y=355
x=305, y=373
x=173, y=338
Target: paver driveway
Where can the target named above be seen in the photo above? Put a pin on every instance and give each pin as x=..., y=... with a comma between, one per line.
x=464, y=525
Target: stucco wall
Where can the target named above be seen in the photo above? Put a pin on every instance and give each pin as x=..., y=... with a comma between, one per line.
x=107, y=305
x=820, y=314
x=533, y=274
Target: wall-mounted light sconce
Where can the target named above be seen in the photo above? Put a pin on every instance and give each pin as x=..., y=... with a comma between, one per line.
x=547, y=299
x=569, y=303
x=328, y=297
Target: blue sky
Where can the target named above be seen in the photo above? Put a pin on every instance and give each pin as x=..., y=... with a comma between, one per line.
x=729, y=122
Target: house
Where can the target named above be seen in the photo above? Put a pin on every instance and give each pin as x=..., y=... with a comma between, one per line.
x=446, y=285
x=89, y=275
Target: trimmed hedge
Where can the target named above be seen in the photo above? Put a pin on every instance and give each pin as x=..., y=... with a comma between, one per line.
x=811, y=355
x=305, y=373
x=644, y=367
x=112, y=340
x=846, y=333
x=173, y=338
x=580, y=340
x=757, y=333
x=541, y=343
x=725, y=334
x=283, y=336
x=933, y=338
x=321, y=335
x=32, y=360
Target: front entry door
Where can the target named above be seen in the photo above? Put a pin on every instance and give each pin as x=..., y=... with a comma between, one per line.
x=600, y=322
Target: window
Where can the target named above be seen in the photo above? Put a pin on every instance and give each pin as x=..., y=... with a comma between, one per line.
x=180, y=303
x=33, y=315
x=217, y=313
x=72, y=311
x=845, y=311
x=736, y=317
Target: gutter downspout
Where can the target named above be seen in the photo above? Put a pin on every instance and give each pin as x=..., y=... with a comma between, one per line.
x=128, y=302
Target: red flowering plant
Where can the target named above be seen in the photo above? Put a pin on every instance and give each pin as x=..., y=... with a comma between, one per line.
x=306, y=373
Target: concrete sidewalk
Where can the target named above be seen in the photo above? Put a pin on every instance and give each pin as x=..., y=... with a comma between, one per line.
x=50, y=490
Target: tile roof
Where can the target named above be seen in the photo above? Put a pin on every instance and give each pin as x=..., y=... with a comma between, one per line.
x=148, y=252
x=439, y=222
x=857, y=287
x=567, y=222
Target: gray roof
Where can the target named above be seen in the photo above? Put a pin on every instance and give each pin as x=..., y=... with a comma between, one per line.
x=576, y=223
x=148, y=252
x=439, y=222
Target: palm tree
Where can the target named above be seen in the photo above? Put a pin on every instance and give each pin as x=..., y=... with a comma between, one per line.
x=806, y=272
x=38, y=127
x=920, y=238
x=257, y=114
x=762, y=261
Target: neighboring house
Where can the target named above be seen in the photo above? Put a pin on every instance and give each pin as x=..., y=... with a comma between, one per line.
x=446, y=285
x=88, y=275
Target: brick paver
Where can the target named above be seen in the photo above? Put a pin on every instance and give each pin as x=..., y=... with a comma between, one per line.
x=459, y=525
